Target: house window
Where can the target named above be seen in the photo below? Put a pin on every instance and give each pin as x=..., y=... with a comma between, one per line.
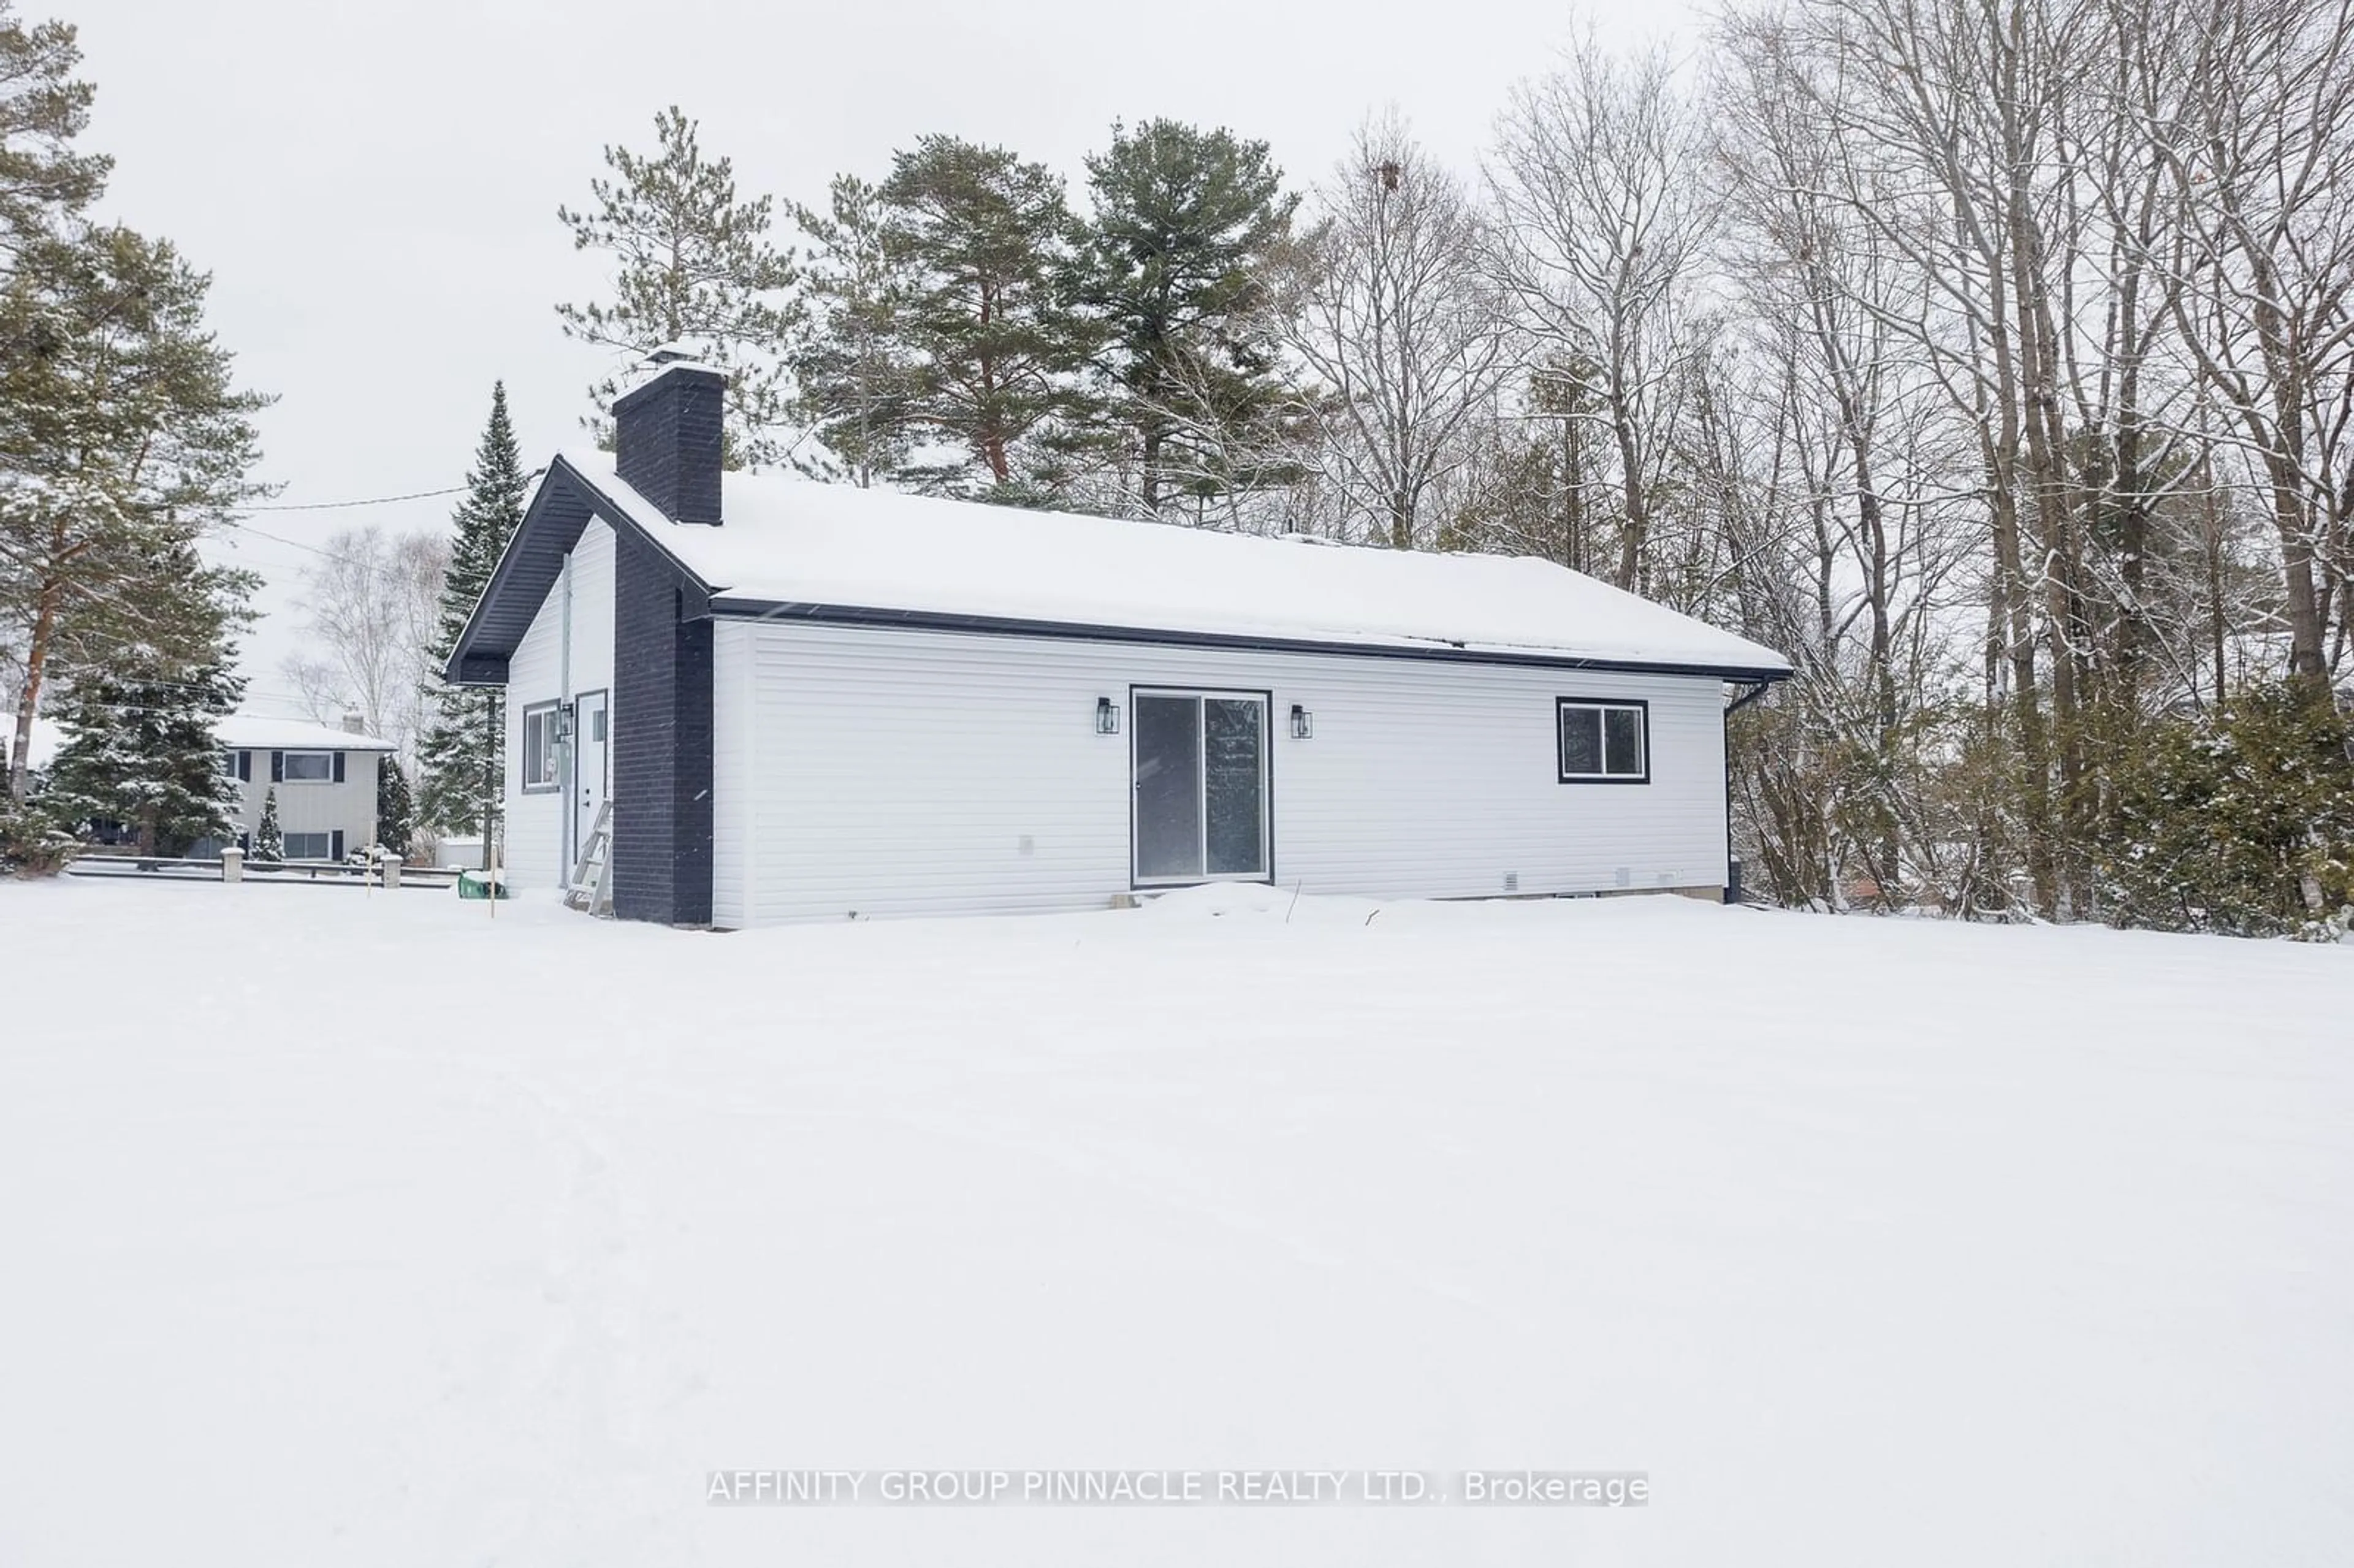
x=1604, y=743
x=310, y=767
x=539, y=747
x=1200, y=785
x=308, y=846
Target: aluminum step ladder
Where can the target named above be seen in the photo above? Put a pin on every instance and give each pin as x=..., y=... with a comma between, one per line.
x=595, y=855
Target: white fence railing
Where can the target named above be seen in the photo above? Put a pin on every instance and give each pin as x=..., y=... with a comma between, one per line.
x=170, y=868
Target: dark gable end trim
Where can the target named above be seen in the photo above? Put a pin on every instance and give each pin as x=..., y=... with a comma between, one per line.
x=995, y=626
x=527, y=569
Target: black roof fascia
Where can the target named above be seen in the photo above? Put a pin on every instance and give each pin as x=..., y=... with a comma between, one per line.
x=529, y=567
x=1001, y=626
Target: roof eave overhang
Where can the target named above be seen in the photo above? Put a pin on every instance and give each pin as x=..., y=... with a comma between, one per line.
x=740, y=608
x=528, y=568
x=567, y=498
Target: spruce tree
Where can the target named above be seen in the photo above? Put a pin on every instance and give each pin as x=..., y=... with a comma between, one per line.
x=269, y=840
x=140, y=751
x=1186, y=227
x=691, y=265
x=992, y=315
x=460, y=756
x=394, y=830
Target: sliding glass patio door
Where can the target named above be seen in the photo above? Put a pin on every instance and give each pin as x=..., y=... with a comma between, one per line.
x=1200, y=760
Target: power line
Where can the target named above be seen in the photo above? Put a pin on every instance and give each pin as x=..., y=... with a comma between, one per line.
x=345, y=505
x=275, y=539
x=340, y=506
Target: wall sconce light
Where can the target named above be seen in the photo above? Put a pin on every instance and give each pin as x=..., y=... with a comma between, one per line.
x=563, y=722
x=1107, y=716
x=1303, y=723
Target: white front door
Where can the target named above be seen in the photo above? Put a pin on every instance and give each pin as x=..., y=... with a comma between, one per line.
x=591, y=746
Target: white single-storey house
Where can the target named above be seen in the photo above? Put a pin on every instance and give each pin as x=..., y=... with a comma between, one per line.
x=810, y=701
x=325, y=780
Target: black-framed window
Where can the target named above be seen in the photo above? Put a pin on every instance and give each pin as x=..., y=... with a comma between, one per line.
x=1199, y=805
x=1602, y=741
x=308, y=767
x=539, y=747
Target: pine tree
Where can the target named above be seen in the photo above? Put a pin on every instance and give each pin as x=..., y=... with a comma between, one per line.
x=460, y=756
x=394, y=830
x=141, y=751
x=42, y=109
x=268, y=840
x=1186, y=224
x=121, y=438
x=854, y=371
x=693, y=265
x=991, y=315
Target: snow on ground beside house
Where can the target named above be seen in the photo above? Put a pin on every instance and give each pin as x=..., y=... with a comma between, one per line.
x=346, y=1228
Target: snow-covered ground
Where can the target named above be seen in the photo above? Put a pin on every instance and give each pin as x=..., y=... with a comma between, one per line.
x=343, y=1228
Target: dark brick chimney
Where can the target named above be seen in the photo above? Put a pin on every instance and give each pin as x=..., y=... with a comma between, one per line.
x=666, y=437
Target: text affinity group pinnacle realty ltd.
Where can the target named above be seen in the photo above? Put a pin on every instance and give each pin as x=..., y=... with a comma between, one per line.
x=1177, y=1488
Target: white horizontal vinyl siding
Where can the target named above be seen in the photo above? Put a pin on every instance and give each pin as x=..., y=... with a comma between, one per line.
x=349, y=808
x=592, y=612
x=531, y=846
x=733, y=783
x=560, y=658
x=894, y=772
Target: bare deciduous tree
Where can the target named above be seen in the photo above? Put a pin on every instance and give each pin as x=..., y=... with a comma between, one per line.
x=369, y=604
x=2261, y=252
x=1396, y=324
x=1599, y=180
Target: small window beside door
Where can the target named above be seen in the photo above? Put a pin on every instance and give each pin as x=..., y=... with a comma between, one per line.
x=539, y=747
x=1604, y=741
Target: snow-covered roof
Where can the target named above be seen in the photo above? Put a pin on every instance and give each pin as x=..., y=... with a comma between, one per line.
x=251, y=731
x=790, y=541
x=260, y=732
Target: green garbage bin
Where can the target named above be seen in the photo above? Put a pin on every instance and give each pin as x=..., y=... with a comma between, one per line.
x=479, y=885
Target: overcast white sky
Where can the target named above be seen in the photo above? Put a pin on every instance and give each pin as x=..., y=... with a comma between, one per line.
x=373, y=185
